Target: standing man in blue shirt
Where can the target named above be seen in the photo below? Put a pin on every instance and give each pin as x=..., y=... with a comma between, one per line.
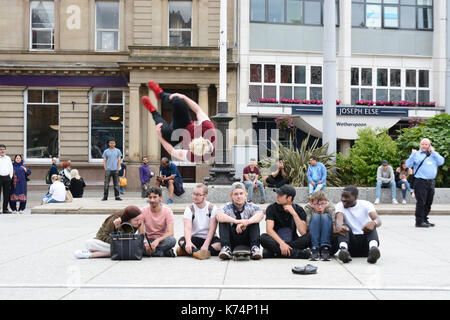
x=317, y=175
x=111, y=164
x=425, y=163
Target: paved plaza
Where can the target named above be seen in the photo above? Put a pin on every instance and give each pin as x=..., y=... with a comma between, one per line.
x=36, y=262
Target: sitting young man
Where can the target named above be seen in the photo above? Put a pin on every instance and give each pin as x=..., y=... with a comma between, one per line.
x=356, y=225
x=200, y=240
x=171, y=178
x=239, y=224
x=279, y=177
x=158, y=221
x=283, y=220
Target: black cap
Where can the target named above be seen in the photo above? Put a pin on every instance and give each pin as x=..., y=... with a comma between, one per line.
x=286, y=190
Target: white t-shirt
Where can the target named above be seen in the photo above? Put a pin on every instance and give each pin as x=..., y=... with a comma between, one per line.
x=358, y=216
x=58, y=191
x=200, y=225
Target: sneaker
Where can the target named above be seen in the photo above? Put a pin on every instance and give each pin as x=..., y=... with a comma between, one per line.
x=374, y=255
x=148, y=104
x=81, y=254
x=404, y=202
x=344, y=255
x=256, y=253
x=301, y=254
x=170, y=201
x=268, y=253
x=155, y=88
x=377, y=201
x=412, y=194
x=181, y=252
x=225, y=253
x=394, y=201
x=202, y=254
x=118, y=198
x=315, y=255
x=169, y=254
x=325, y=254
x=104, y=199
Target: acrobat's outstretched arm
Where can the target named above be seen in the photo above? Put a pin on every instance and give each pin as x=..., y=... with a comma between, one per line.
x=176, y=153
x=201, y=115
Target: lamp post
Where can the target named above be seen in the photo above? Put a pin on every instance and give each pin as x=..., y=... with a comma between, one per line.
x=222, y=173
x=329, y=76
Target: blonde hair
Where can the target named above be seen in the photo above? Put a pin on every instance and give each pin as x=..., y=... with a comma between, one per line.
x=74, y=174
x=56, y=177
x=318, y=195
x=200, y=146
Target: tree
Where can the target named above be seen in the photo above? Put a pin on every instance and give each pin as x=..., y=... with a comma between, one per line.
x=360, y=166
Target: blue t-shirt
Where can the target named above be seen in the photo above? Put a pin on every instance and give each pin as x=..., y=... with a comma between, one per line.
x=171, y=170
x=111, y=155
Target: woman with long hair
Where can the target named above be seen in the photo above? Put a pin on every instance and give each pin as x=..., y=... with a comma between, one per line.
x=100, y=246
x=403, y=173
x=77, y=184
x=56, y=192
x=19, y=185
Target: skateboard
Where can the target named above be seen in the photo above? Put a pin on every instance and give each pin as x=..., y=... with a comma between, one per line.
x=241, y=253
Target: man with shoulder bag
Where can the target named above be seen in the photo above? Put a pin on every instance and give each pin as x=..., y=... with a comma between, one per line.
x=425, y=163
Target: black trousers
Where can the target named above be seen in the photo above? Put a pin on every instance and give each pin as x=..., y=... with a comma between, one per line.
x=277, y=182
x=198, y=242
x=5, y=185
x=230, y=238
x=180, y=116
x=300, y=243
x=358, y=244
x=424, y=191
x=115, y=176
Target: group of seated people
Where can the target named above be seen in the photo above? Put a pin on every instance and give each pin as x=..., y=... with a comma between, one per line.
x=67, y=179
x=317, y=231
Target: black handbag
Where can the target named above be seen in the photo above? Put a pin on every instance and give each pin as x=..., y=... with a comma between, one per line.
x=126, y=246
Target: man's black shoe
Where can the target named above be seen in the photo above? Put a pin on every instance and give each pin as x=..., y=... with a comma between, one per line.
x=344, y=255
x=268, y=253
x=430, y=224
x=7, y=212
x=301, y=254
x=119, y=199
x=422, y=225
x=374, y=255
x=104, y=199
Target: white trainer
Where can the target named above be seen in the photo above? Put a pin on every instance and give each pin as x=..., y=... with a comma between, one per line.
x=394, y=201
x=82, y=254
x=377, y=201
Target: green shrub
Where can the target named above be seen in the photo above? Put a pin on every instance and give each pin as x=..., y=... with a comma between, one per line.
x=437, y=129
x=296, y=162
x=360, y=166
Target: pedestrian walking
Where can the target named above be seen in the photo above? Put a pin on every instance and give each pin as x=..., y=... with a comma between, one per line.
x=6, y=175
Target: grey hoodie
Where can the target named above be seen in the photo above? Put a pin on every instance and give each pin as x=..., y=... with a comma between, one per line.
x=385, y=176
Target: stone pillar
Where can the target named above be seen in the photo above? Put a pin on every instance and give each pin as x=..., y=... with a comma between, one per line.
x=345, y=52
x=134, y=123
x=153, y=145
x=345, y=147
x=203, y=98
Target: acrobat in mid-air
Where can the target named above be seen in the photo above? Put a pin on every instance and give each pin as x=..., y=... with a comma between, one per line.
x=197, y=138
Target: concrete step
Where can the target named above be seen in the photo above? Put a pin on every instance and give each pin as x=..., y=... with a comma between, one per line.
x=96, y=206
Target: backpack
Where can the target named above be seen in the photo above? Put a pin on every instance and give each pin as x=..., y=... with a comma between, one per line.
x=210, y=209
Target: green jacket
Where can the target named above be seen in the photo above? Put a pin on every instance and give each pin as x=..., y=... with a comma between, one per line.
x=109, y=227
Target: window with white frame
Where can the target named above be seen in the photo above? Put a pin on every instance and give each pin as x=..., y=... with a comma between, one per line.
x=390, y=84
x=42, y=16
x=180, y=23
x=107, y=25
x=397, y=14
x=287, y=81
x=42, y=123
x=106, y=114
